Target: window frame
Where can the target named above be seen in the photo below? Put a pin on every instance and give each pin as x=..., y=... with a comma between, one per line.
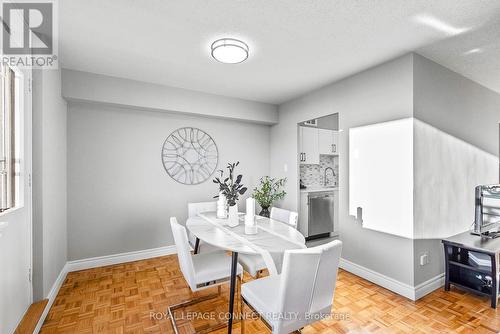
x=17, y=138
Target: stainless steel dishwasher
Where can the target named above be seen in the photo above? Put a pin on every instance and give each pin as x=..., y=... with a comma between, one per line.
x=321, y=214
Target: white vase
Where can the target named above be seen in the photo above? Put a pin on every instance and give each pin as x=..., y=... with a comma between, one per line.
x=233, y=218
x=222, y=207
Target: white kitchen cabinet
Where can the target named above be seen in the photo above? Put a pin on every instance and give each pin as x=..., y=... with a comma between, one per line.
x=328, y=141
x=335, y=144
x=325, y=141
x=309, y=150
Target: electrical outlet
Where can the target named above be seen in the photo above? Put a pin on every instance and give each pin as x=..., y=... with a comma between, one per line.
x=424, y=258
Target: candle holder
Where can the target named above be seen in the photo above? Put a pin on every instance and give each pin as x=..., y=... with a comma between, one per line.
x=233, y=218
x=250, y=224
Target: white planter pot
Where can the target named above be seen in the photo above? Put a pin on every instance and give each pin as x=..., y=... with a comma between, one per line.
x=221, y=209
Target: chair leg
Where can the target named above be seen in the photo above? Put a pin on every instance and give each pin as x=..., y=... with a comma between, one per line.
x=255, y=312
x=172, y=308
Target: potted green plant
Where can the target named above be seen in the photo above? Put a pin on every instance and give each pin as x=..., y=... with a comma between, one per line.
x=269, y=191
x=231, y=188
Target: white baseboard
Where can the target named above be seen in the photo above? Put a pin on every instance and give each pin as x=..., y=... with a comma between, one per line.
x=428, y=286
x=396, y=286
x=52, y=296
x=108, y=260
x=98, y=262
x=389, y=283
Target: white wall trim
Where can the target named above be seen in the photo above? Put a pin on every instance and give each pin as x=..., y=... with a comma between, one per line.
x=52, y=296
x=95, y=262
x=428, y=286
x=108, y=260
x=396, y=286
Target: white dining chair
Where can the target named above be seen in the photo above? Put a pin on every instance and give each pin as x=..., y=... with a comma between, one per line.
x=193, y=210
x=285, y=216
x=254, y=264
x=200, y=271
x=304, y=289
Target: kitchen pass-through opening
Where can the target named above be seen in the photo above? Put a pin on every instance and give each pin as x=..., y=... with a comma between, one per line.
x=318, y=155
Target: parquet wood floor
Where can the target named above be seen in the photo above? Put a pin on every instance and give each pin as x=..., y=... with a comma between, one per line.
x=31, y=317
x=122, y=298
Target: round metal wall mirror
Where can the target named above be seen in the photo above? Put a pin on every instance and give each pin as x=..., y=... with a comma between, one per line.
x=190, y=155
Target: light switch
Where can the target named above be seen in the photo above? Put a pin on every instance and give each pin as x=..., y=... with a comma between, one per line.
x=424, y=259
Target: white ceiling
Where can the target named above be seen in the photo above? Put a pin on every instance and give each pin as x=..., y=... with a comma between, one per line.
x=295, y=45
x=475, y=54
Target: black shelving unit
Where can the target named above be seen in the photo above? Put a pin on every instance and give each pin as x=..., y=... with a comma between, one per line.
x=463, y=273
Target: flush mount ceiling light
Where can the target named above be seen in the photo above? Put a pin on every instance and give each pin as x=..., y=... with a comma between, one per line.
x=229, y=51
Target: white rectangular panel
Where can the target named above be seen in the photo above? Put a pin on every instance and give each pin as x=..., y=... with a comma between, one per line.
x=381, y=176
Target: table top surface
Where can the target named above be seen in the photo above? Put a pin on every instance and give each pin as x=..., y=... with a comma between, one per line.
x=475, y=242
x=272, y=236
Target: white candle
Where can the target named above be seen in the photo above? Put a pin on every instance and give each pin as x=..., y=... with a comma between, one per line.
x=250, y=207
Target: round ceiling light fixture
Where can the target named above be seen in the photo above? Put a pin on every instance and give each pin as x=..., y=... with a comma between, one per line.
x=229, y=51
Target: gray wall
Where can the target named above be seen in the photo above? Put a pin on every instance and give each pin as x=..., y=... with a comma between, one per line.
x=380, y=94
x=456, y=105
x=49, y=181
x=463, y=109
x=119, y=196
x=434, y=249
x=410, y=86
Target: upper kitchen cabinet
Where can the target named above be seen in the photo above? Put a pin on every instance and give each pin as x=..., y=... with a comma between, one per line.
x=336, y=143
x=328, y=142
x=309, y=145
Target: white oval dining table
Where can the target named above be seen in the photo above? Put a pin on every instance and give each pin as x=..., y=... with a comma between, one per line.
x=272, y=238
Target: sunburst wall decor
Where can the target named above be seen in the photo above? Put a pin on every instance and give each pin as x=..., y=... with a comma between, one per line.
x=190, y=155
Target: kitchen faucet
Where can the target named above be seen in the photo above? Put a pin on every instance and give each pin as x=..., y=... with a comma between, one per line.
x=325, y=180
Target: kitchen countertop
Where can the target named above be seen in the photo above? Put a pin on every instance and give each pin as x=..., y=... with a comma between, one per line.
x=318, y=189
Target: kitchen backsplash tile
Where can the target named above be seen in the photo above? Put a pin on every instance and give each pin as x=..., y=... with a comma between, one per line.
x=312, y=175
x=309, y=174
